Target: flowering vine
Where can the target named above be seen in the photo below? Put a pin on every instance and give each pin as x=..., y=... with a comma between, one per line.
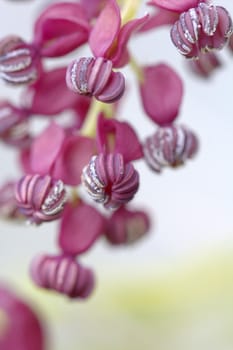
x=97, y=150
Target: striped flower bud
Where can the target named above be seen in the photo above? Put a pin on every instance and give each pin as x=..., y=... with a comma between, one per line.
x=18, y=61
x=109, y=180
x=201, y=29
x=95, y=77
x=169, y=146
x=62, y=274
x=40, y=198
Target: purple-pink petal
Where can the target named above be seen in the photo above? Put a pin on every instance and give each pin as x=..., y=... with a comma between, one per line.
x=45, y=149
x=49, y=94
x=175, y=5
x=81, y=225
x=61, y=28
x=124, y=35
x=92, y=8
x=161, y=93
x=75, y=153
x=105, y=30
x=160, y=18
x=23, y=330
x=119, y=137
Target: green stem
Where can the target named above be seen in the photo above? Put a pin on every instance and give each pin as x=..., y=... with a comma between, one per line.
x=97, y=107
x=129, y=10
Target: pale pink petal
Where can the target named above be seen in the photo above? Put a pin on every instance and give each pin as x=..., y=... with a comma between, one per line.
x=46, y=148
x=119, y=137
x=75, y=154
x=50, y=95
x=161, y=93
x=81, y=225
x=60, y=29
x=175, y=5
x=160, y=18
x=124, y=35
x=105, y=30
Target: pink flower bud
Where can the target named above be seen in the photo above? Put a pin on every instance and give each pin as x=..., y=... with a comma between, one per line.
x=127, y=226
x=18, y=61
x=109, y=180
x=62, y=274
x=40, y=198
x=201, y=29
x=8, y=204
x=95, y=77
x=169, y=146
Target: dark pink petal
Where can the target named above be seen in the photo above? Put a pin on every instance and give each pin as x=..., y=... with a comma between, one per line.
x=81, y=225
x=20, y=327
x=25, y=161
x=60, y=29
x=124, y=35
x=160, y=18
x=175, y=5
x=106, y=29
x=119, y=137
x=46, y=148
x=161, y=93
x=50, y=95
x=92, y=8
x=75, y=153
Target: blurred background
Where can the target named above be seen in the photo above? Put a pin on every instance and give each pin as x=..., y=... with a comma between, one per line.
x=174, y=289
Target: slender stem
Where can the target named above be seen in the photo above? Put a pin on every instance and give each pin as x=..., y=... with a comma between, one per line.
x=129, y=10
x=89, y=126
x=137, y=69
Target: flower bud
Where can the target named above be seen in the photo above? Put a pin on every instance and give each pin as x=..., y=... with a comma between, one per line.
x=109, y=180
x=14, y=128
x=8, y=204
x=40, y=198
x=169, y=146
x=127, y=226
x=18, y=61
x=201, y=29
x=62, y=274
x=95, y=77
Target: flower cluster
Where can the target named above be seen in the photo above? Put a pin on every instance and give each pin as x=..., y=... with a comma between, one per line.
x=83, y=174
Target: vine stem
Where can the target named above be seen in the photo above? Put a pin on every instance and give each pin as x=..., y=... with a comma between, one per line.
x=89, y=126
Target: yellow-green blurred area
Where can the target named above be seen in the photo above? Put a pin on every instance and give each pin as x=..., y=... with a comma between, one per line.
x=185, y=306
